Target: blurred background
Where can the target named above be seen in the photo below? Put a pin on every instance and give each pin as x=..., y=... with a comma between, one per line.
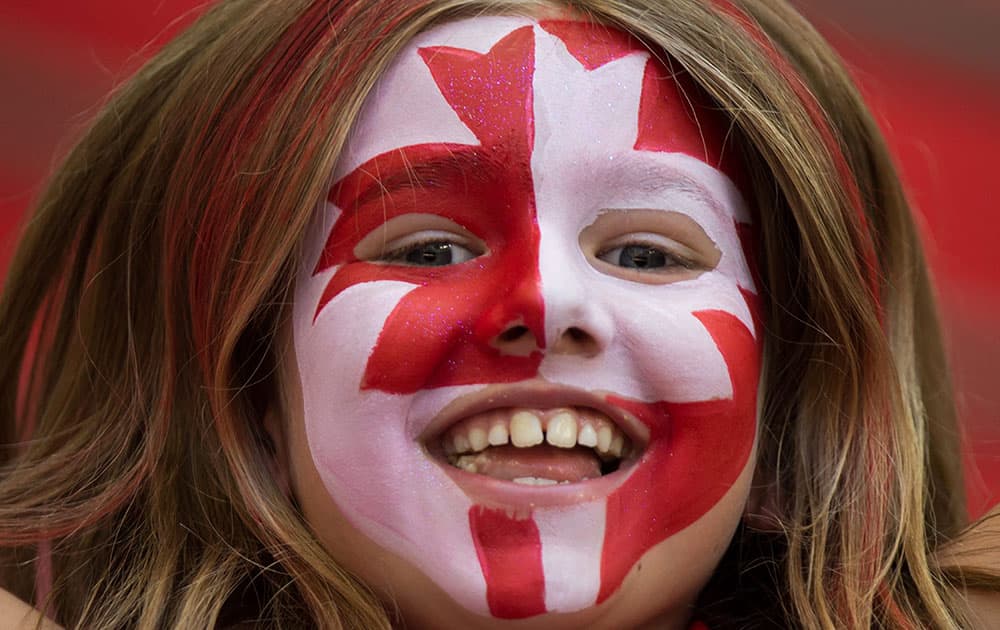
x=929, y=68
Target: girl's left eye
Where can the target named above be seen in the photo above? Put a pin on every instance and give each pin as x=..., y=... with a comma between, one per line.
x=642, y=257
x=429, y=253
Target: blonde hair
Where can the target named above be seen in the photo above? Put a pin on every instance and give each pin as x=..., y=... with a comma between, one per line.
x=140, y=316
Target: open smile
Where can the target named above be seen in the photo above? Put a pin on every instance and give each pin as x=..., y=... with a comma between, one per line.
x=535, y=439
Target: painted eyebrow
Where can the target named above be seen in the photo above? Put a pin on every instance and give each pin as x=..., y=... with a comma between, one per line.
x=430, y=165
x=653, y=176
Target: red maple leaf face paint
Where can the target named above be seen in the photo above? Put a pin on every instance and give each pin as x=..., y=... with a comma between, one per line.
x=529, y=221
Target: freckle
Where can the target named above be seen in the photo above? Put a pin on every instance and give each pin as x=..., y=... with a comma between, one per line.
x=638, y=567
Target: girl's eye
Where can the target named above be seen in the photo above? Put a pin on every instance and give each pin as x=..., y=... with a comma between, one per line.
x=435, y=253
x=420, y=240
x=636, y=257
x=648, y=246
x=642, y=258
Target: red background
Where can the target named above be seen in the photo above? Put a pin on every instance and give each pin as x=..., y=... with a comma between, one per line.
x=930, y=69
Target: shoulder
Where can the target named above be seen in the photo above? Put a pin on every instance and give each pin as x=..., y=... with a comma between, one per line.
x=977, y=549
x=984, y=609
x=17, y=615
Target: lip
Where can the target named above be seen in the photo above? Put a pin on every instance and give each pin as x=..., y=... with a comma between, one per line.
x=499, y=493
x=542, y=395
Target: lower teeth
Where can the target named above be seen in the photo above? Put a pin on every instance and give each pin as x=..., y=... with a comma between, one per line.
x=535, y=481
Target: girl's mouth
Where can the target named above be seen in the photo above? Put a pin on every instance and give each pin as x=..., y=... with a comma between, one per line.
x=535, y=446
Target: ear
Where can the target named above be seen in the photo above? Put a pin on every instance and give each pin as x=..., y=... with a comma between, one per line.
x=277, y=456
x=763, y=512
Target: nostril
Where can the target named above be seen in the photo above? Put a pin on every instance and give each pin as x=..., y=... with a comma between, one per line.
x=577, y=341
x=578, y=335
x=513, y=334
x=517, y=340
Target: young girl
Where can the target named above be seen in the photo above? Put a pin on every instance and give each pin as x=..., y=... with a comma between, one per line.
x=495, y=314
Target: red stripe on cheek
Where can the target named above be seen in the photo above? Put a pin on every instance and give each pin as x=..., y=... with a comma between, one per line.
x=442, y=332
x=510, y=554
x=697, y=451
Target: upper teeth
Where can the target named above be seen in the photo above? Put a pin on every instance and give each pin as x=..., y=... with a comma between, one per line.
x=564, y=428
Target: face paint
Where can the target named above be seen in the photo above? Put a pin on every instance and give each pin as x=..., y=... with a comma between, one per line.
x=470, y=263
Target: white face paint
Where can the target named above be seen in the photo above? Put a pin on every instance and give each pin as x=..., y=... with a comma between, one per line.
x=524, y=220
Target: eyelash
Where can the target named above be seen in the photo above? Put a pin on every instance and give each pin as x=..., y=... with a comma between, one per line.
x=673, y=260
x=455, y=245
x=398, y=254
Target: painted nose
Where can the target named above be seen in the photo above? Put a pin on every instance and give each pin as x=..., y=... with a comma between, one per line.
x=577, y=329
x=578, y=320
x=577, y=340
x=516, y=340
x=513, y=323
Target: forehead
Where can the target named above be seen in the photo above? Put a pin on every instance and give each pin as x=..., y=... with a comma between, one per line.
x=570, y=65
x=406, y=106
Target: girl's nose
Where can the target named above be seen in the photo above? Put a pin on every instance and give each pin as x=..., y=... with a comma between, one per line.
x=557, y=314
x=518, y=340
x=579, y=319
x=513, y=320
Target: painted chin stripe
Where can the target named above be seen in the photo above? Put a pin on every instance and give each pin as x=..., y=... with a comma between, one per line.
x=510, y=554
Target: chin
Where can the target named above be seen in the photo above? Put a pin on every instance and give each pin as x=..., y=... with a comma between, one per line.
x=658, y=591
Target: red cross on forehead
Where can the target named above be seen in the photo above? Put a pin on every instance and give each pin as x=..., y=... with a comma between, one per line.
x=488, y=189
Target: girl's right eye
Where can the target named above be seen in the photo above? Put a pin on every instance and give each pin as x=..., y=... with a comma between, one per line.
x=420, y=240
x=430, y=253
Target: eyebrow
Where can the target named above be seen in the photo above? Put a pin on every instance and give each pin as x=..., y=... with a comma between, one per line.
x=430, y=164
x=651, y=176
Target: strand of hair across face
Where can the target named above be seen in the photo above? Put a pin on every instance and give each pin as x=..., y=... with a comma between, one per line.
x=869, y=260
x=819, y=120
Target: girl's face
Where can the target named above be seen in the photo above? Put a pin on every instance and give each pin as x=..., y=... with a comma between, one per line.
x=525, y=361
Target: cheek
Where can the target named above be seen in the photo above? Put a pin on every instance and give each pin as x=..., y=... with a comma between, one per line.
x=697, y=450
x=349, y=432
x=684, y=360
x=371, y=468
x=353, y=437
x=675, y=570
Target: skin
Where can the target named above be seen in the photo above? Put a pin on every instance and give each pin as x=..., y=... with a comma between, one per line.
x=540, y=303
x=654, y=595
x=978, y=547
x=17, y=615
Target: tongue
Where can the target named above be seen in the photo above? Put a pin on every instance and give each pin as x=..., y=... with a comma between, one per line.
x=542, y=462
